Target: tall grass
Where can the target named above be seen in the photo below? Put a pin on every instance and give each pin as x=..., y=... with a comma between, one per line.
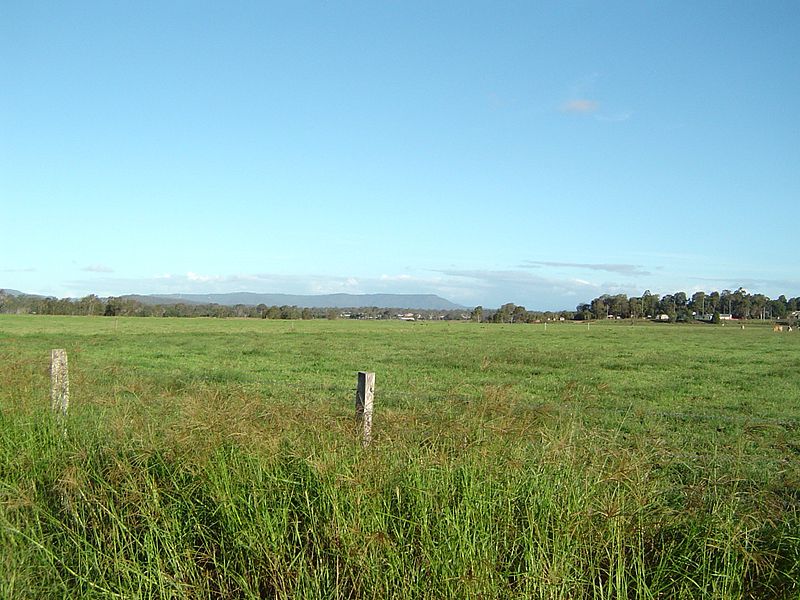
x=484, y=480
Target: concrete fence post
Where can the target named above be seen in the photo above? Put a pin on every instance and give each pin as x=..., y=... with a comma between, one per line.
x=59, y=382
x=365, y=394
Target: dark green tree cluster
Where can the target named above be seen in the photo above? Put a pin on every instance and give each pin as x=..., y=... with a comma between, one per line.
x=25, y=304
x=129, y=307
x=740, y=304
x=513, y=313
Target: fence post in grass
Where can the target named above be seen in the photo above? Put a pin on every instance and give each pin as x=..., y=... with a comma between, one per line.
x=59, y=382
x=365, y=394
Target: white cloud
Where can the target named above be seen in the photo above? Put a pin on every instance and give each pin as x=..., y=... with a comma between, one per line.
x=580, y=106
x=97, y=268
x=495, y=287
x=622, y=269
x=201, y=278
x=615, y=117
x=385, y=277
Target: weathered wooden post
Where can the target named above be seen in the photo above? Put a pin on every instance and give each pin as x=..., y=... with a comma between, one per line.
x=59, y=382
x=365, y=394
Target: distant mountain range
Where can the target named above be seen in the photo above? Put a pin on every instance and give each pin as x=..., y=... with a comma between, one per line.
x=410, y=301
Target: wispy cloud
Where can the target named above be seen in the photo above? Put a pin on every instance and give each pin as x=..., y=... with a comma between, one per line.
x=401, y=277
x=22, y=270
x=619, y=117
x=581, y=99
x=622, y=269
x=97, y=268
x=585, y=106
x=522, y=287
x=190, y=276
x=771, y=287
x=194, y=282
x=580, y=106
x=490, y=277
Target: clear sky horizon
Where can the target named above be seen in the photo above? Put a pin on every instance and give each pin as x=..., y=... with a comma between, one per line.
x=537, y=153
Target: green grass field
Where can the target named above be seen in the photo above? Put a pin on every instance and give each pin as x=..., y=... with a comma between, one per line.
x=210, y=458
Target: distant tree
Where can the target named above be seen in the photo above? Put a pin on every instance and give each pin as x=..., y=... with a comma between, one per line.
x=666, y=304
x=289, y=312
x=649, y=304
x=758, y=306
x=726, y=302
x=740, y=304
x=713, y=303
x=698, y=303
x=618, y=306
x=519, y=315
x=113, y=307
x=504, y=314
x=90, y=305
x=599, y=307
x=583, y=312
x=635, y=307
x=476, y=314
x=778, y=308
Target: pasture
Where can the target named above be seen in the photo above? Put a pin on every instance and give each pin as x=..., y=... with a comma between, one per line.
x=207, y=458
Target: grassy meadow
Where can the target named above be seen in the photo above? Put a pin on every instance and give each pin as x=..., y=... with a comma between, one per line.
x=207, y=458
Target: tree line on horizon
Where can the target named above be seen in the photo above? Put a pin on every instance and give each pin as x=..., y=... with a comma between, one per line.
x=93, y=305
x=739, y=304
x=676, y=307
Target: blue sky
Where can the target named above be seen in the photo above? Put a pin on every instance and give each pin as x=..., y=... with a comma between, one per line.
x=541, y=153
